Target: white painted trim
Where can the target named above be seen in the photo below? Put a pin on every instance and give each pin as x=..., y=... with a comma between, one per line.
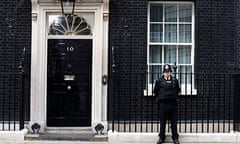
x=97, y=68
x=39, y=60
x=185, y=90
x=105, y=66
x=148, y=91
x=69, y=37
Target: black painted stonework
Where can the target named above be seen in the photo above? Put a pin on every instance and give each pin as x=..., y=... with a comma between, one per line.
x=237, y=33
x=15, y=34
x=216, y=51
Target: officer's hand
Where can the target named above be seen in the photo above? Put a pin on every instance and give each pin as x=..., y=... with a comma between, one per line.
x=157, y=99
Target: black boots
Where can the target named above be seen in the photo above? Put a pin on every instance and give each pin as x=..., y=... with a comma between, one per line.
x=176, y=141
x=160, y=141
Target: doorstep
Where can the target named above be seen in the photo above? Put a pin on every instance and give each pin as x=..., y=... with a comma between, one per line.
x=66, y=136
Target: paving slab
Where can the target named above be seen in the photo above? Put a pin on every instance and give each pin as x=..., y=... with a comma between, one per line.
x=87, y=142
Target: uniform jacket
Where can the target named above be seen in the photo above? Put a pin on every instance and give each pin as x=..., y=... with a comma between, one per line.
x=166, y=89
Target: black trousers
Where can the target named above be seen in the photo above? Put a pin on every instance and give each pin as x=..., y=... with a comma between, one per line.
x=168, y=111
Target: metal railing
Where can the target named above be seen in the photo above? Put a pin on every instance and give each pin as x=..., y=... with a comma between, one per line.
x=207, y=103
x=12, y=98
x=12, y=75
x=11, y=107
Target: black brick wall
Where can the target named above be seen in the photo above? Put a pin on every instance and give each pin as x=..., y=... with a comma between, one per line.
x=216, y=51
x=15, y=38
x=128, y=36
x=237, y=34
x=15, y=34
x=215, y=41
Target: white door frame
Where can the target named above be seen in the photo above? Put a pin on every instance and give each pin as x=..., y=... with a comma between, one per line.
x=39, y=60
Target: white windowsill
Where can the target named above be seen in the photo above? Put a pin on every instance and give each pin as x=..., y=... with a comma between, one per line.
x=185, y=90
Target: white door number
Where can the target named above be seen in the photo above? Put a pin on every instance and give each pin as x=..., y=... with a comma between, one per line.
x=70, y=49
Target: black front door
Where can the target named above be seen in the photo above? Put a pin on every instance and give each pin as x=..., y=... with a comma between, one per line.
x=69, y=82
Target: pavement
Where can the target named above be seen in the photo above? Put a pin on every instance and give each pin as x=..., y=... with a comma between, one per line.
x=86, y=142
x=119, y=138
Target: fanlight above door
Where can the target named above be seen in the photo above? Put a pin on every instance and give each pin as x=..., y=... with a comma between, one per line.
x=69, y=25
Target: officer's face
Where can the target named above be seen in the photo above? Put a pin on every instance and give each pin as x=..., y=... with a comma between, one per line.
x=167, y=74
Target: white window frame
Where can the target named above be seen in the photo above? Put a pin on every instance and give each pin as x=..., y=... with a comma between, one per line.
x=186, y=89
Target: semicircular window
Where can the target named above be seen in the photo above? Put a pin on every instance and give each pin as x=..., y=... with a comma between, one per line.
x=69, y=25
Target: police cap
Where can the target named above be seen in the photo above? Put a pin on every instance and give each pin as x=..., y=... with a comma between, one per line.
x=167, y=68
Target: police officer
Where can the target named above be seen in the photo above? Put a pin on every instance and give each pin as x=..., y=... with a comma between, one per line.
x=166, y=90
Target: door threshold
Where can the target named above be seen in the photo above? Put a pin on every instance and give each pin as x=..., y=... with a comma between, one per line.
x=69, y=130
x=67, y=137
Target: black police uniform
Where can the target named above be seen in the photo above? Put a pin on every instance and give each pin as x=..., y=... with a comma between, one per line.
x=166, y=91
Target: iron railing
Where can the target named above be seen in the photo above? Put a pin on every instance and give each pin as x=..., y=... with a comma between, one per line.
x=207, y=103
x=12, y=76
x=13, y=98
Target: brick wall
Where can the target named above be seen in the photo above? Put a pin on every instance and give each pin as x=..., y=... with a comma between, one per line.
x=128, y=36
x=237, y=34
x=15, y=34
x=215, y=52
x=215, y=30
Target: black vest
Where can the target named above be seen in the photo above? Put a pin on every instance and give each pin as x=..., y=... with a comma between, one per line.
x=167, y=89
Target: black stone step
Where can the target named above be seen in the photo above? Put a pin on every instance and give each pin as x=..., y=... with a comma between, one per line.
x=67, y=136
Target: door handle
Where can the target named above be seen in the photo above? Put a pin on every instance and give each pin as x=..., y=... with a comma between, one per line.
x=69, y=87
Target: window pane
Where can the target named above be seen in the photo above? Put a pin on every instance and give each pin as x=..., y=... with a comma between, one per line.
x=185, y=33
x=171, y=26
x=185, y=74
x=155, y=54
x=184, y=55
x=57, y=25
x=154, y=73
x=185, y=13
x=156, y=32
x=169, y=54
x=170, y=13
x=171, y=33
x=156, y=13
